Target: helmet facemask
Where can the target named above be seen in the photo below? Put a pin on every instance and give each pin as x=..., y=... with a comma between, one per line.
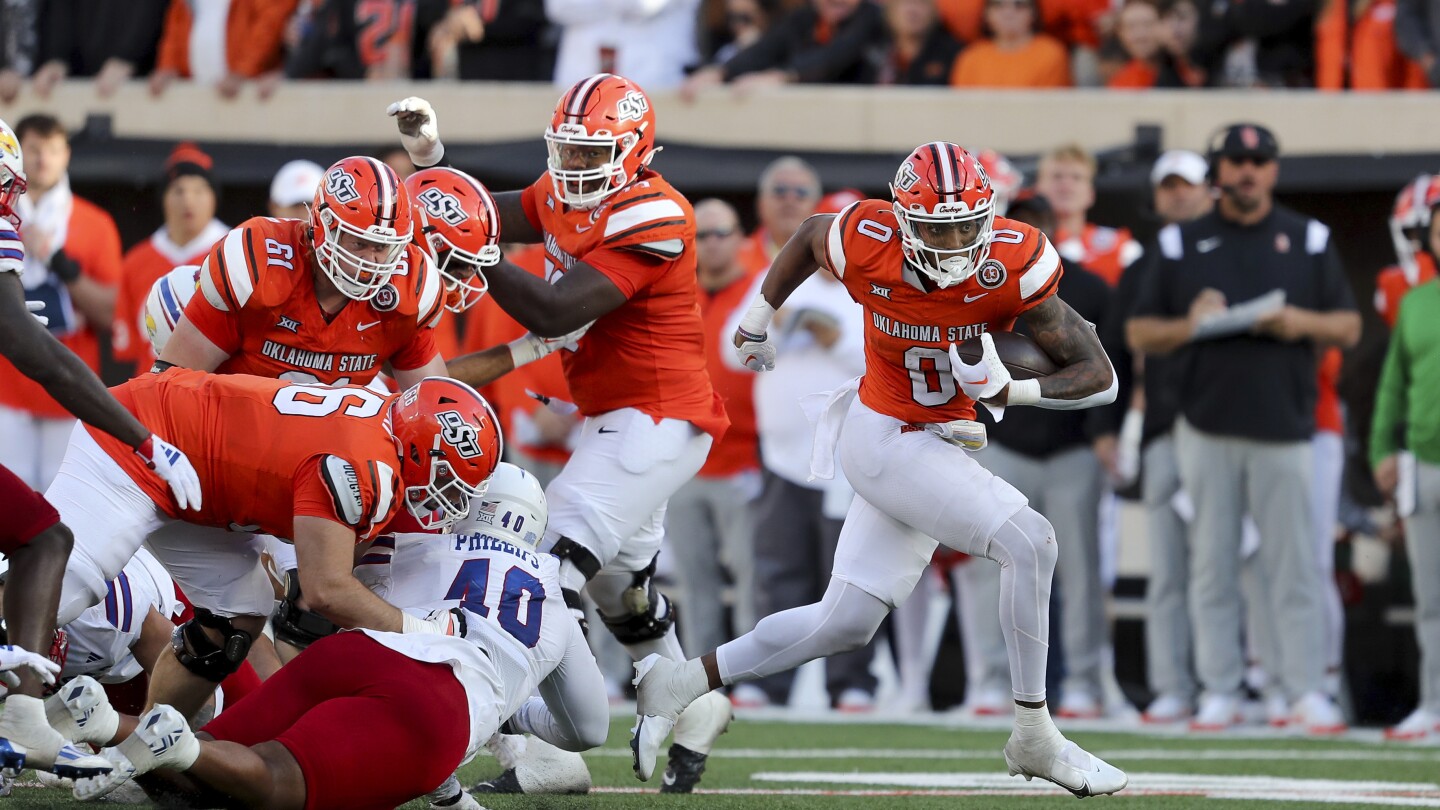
x=588, y=187
x=445, y=499
x=950, y=244
x=463, y=271
x=12, y=185
x=358, y=278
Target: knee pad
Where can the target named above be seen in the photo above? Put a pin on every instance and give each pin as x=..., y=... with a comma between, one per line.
x=197, y=653
x=647, y=613
x=582, y=558
x=295, y=625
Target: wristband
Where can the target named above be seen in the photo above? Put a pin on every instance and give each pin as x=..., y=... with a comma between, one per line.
x=1023, y=392
x=526, y=349
x=758, y=316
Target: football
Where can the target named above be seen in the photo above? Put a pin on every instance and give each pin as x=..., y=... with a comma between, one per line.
x=1023, y=356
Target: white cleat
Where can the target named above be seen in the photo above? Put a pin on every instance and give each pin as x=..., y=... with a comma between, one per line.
x=28, y=741
x=657, y=706
x=162, y=740
x=506, y=748
x=451, y=796
x=541, y=769
x=1066, y=764
x=81, y=712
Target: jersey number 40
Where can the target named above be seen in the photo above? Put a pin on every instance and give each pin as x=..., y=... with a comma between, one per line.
x=521, y=598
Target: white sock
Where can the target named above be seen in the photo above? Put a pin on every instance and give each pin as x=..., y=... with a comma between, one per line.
x=1035, y=724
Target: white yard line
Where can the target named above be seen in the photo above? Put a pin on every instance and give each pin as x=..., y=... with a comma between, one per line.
x=1210, y=754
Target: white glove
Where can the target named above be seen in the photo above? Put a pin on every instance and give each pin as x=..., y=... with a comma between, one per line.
x=169, y=463
x=442, y=622
x=37, y=306
x=963, y=433
x=757, y=352
x=12, y=658
x=419, y=130
x=984, y=379
x=530, y=347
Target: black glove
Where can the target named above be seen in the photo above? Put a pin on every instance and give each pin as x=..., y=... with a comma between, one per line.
x=65, y=268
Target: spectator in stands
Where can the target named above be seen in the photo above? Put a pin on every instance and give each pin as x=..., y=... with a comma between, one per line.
x=292, y=189
x=1405, y=455
x=345, y=39
x=72, y=263
x=221, y=44
x=708, y=520
x=921, y=51
x=1258, y=43
x=190, y=229
x=19, y=45
x=1014, y=53
x=819, y=336
x=822, y=42
x=482, y=40
x=110, y=41
x=1066, y=179
x=745, y=22
x=1181, y=194
x=1148, y=61
x=1048, y=456
x=1247, y=414
x=1417, y=32
x=650, y=43
x=787, y=195
x=1355, y=47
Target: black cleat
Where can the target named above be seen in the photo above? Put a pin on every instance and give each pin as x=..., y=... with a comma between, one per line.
x=506, y=782
x=683, y=770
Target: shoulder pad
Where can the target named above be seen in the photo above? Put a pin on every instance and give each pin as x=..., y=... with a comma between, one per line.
x=651, y=218
x=344, y=485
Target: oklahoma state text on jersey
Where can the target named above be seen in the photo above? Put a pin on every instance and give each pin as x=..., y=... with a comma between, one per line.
x=267, y=450
x=650, y=353
x=908, y=331
x=259, y=304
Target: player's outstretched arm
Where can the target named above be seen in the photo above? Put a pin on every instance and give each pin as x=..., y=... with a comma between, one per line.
x=548, y=310
x=801, y=256
x=325, y=555
x=42, y=358
x=1085, y=377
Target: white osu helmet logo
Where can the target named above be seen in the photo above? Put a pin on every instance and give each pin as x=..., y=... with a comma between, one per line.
x=459, y=434
x=633, y=106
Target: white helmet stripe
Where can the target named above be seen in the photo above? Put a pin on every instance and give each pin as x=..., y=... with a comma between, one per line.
x=576, y=108
x=385, y=213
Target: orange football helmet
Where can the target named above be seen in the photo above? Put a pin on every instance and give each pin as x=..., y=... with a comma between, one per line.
x=600, y=138
x=361, y=221
x=1410, y=221
x=945, y=205
x=449, y=443
x=460, y=229
x=1006, y=179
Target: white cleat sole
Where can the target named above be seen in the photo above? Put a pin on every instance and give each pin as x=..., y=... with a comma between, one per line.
x=93, y=788
x=1102, y=778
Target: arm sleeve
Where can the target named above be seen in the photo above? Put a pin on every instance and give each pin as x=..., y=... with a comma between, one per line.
x=844, y=50
x=1392, y=395
x=629, y=270
x=572, y=712
x=174, y=44
x=530, y=207
x=215, y=311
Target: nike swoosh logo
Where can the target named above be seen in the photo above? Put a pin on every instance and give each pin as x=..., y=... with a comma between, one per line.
x=608, y=430
x=1207, y=245
x=668, y=779
x=981, y=382
x=969, y=298
x=362, y=327
x=579, y=229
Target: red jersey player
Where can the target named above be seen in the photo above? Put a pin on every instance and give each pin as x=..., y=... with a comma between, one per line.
x=620, y=256
x=31, y=535
x=932, y=269
x=1409, y=222
x=325, y=467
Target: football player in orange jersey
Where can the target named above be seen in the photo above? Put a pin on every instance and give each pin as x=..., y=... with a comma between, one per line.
x=620, y=245
x=31, y=535
x=459, y=228
x=337, y=464
x=933, y=269
x=1409, y=222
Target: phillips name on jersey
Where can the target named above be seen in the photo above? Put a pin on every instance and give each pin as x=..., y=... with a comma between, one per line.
x=910, y=323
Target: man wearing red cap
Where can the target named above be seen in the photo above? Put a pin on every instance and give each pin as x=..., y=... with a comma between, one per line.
x=189, y=231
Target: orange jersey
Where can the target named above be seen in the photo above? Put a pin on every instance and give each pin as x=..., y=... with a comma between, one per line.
x=1328, y=415
x=1366, y=47
x=324, y=452
x=1392, y=283
x=909, y=326
x=649, y=354
x=1106, y=252
x=144, y=264
x=258, y=303
x=740, y=449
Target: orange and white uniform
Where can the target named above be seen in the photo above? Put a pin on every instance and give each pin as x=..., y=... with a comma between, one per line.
x=638, y=375
x=1104, y=251
x=144, y=264
x=258, y=303
x=912, y=487
x=266, y=451
x=1393, y=283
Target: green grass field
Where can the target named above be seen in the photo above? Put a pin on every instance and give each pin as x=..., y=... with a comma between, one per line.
x=765, y=765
